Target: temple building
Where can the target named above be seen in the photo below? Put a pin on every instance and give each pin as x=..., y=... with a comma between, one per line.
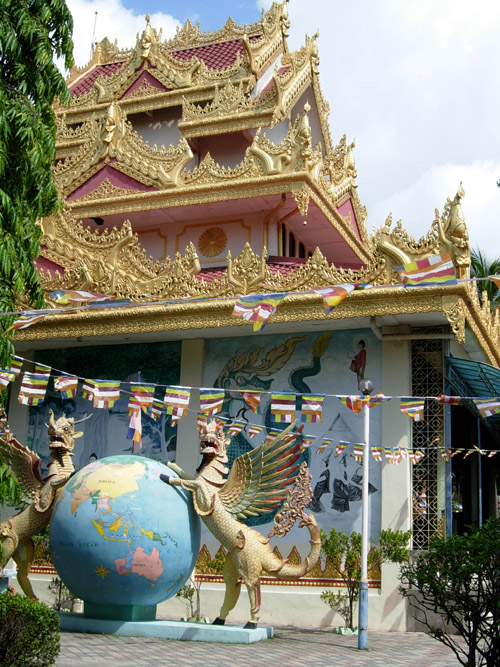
x=200, y=169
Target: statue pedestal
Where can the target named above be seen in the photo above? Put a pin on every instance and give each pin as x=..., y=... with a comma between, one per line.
x=197, y=632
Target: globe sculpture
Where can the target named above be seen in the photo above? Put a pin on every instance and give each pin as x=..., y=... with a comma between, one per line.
x=121, y=539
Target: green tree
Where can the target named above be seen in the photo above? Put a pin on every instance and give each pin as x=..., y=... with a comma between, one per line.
x=32, y=34
x=457, y=581
x=481, y=267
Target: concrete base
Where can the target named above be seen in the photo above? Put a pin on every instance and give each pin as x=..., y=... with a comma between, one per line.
x=195, y=632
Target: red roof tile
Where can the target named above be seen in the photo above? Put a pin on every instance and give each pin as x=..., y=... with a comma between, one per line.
x=215, y=56
x=84, y=84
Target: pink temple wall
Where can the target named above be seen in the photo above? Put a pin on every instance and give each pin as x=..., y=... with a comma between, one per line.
x=347, y=211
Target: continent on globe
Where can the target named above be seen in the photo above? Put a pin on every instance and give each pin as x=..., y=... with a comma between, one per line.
x=139, y=562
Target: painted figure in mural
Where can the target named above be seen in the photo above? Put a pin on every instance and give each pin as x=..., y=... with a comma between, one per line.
x=259, y=482
x=322, y=486
x=16, y=532
x=358, y=364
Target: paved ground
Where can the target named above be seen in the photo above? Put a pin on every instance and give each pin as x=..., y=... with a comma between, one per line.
x=290, y=647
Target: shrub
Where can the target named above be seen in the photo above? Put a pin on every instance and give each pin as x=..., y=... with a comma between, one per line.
x=29, y=632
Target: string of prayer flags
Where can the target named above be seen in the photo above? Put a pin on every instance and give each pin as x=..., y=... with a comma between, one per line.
x=135, y=425
x=67, y=385
x=235, y=428
x=6, y=377
x=354, y=403
x=413, y=407
x=312, y=408
x=176, y=402
x=25, y=320
x=434, y=270
x=487, y=407
x=106, y=393
x=16, y=364
x=258, y=308
x=157, y=409
x=254, y=430
x=144, y=393
x=340, y=448
x=378, y=399
x=283, y=407
x=332, y=296
x=326, y=442
x=88, y=389
x=252, y=399
x=211, y=401
x=376, y=453
x=358, y=453
x=448, y=400
x=33, y=389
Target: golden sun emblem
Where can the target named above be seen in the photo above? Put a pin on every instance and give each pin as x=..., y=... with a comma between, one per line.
x=102, y=571
x=212, y=242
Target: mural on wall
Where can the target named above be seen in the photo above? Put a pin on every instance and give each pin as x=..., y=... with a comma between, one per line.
x=105, y=433
x=312, y=362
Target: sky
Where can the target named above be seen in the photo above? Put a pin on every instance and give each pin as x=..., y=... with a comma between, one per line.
x=414, y=82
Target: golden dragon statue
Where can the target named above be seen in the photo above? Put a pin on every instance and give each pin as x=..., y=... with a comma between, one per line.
x=16, y=532
x=259, y=482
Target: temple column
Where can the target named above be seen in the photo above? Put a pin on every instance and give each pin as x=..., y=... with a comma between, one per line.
x=192, y=364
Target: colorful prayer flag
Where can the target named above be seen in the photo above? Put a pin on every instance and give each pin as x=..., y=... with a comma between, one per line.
x=312, y=407
x=434, y=270
x=33, y=389
x=235, y=428
x=252, y=399
x=389, y=454
x=487, y=407
x=448, y=400
x=326, y=442
x=283, y=407
x=64, y=297
x=271, y=434
x=413, y=407
x=332, y=296
x=157, y=409
x=354, y=403
x=376, y=453
x=67, y=385
x=106, y=393
x=135, y=425
x=6, y=377
x=372, y=401
x=16, y=364
x=358, y=453
x=306, y=443
x=201, y=422
x=144, y=393
x=25, y=320
x=176, y=401
x=254, y=430
x=211, y=401
x=340, y=448
x=88, y=389
x=42, y=369
x=258, y=308
x=495, y=279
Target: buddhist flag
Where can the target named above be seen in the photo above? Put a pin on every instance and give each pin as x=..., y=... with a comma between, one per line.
x=445, y=453
x=211, y=401
x=254, y=430
x=340, y=448
x=252, y=399
x=63, y=297
x=88, y=389
x=283, y=407
x=157, y=409
x=144, y=393
x=487, y=407
x=33, y=388
x=258, y=308
x=358, y=453
x=6, y=377
x=176, y=401
x=413, y=407
x=372, y=401
x=448, y=400
x=492, y=453
x=389, y=454
x=67, y=385
x=235, y=428
x=326, y=442
x=312, y=407
x=306, y=443
x=495, y=279
x=434, y=270
x=106, y=393
x=354, y=403
x=135, y=425
x=397, y=456
x=26, y=320
x=376, y=453
x=201, y=422
x=42, y=369
x=332, y=296
x=271, y=434
x=16, y=364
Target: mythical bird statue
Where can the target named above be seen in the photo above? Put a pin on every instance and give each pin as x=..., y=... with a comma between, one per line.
x=16, y=532
x=259, y=482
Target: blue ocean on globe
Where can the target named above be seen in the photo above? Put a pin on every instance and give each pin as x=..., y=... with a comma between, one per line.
x=120, y=536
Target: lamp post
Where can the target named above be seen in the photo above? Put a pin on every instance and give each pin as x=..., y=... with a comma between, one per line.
x=366, y=388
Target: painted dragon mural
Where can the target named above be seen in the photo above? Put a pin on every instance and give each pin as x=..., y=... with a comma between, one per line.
x=16, y=533
x=259, y=482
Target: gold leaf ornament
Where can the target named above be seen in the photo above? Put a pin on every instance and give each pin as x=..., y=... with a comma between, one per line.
x=212, y=242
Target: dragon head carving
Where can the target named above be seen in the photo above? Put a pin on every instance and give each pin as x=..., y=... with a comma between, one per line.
x=213, y=440
x=62, y=432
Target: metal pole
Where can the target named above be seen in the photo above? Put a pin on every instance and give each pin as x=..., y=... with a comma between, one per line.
x=479, y=477
x=363, y=584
